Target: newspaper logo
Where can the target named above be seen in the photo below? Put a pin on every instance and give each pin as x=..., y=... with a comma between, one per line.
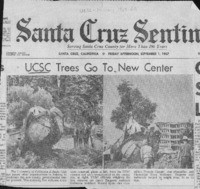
x=37, y=68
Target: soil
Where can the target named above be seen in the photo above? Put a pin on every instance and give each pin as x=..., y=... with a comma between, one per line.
x=63, y=155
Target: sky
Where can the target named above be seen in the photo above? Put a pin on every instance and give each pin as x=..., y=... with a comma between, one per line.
x=173, y=95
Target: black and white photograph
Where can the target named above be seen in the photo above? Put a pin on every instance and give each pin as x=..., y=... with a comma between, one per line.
x=100, y=94
x=148, y=122
x=55, y=121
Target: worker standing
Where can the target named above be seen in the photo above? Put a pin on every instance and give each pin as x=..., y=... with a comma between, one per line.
x=185, y=155
x=147, y=154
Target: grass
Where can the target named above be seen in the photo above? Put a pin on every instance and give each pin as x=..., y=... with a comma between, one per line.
x=74, y=158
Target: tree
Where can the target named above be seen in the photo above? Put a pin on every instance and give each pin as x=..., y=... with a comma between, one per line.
x=188, y=130
x=21, y=99
x=79, y=97
x=132, y=103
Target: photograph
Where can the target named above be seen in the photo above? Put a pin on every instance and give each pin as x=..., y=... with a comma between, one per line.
x=148, y=122
x=55, y=121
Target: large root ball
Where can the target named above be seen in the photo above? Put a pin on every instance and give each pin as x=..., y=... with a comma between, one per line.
x=43, y=129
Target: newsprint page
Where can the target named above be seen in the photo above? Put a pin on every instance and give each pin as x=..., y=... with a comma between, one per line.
x=100, y=94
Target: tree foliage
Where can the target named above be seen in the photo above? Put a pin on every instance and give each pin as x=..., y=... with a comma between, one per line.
x=21, y=99
x=132, y=103
x=78, y=97
x=81, y=98
x=188, y=131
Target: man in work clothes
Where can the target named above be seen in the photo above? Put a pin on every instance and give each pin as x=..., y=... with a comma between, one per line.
x=185, y=155
x=147, y=155
x=75, y=137
x=86, y=135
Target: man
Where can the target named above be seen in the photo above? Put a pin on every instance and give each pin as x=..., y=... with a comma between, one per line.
x=154, y=140
x=185, y=154
x=75, y=136
x=147, y=155
x=92, y=133
x=86, y=134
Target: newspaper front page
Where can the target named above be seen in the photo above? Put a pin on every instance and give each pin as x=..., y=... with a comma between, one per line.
x=100, y=94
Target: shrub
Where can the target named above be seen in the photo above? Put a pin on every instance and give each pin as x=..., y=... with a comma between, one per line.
x=21, y=99
x=42, y=98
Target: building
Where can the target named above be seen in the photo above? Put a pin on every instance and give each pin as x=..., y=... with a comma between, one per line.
x=171, y=134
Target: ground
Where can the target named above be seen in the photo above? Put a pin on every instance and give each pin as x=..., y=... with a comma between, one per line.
x=165, y=162
x=64, y=156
